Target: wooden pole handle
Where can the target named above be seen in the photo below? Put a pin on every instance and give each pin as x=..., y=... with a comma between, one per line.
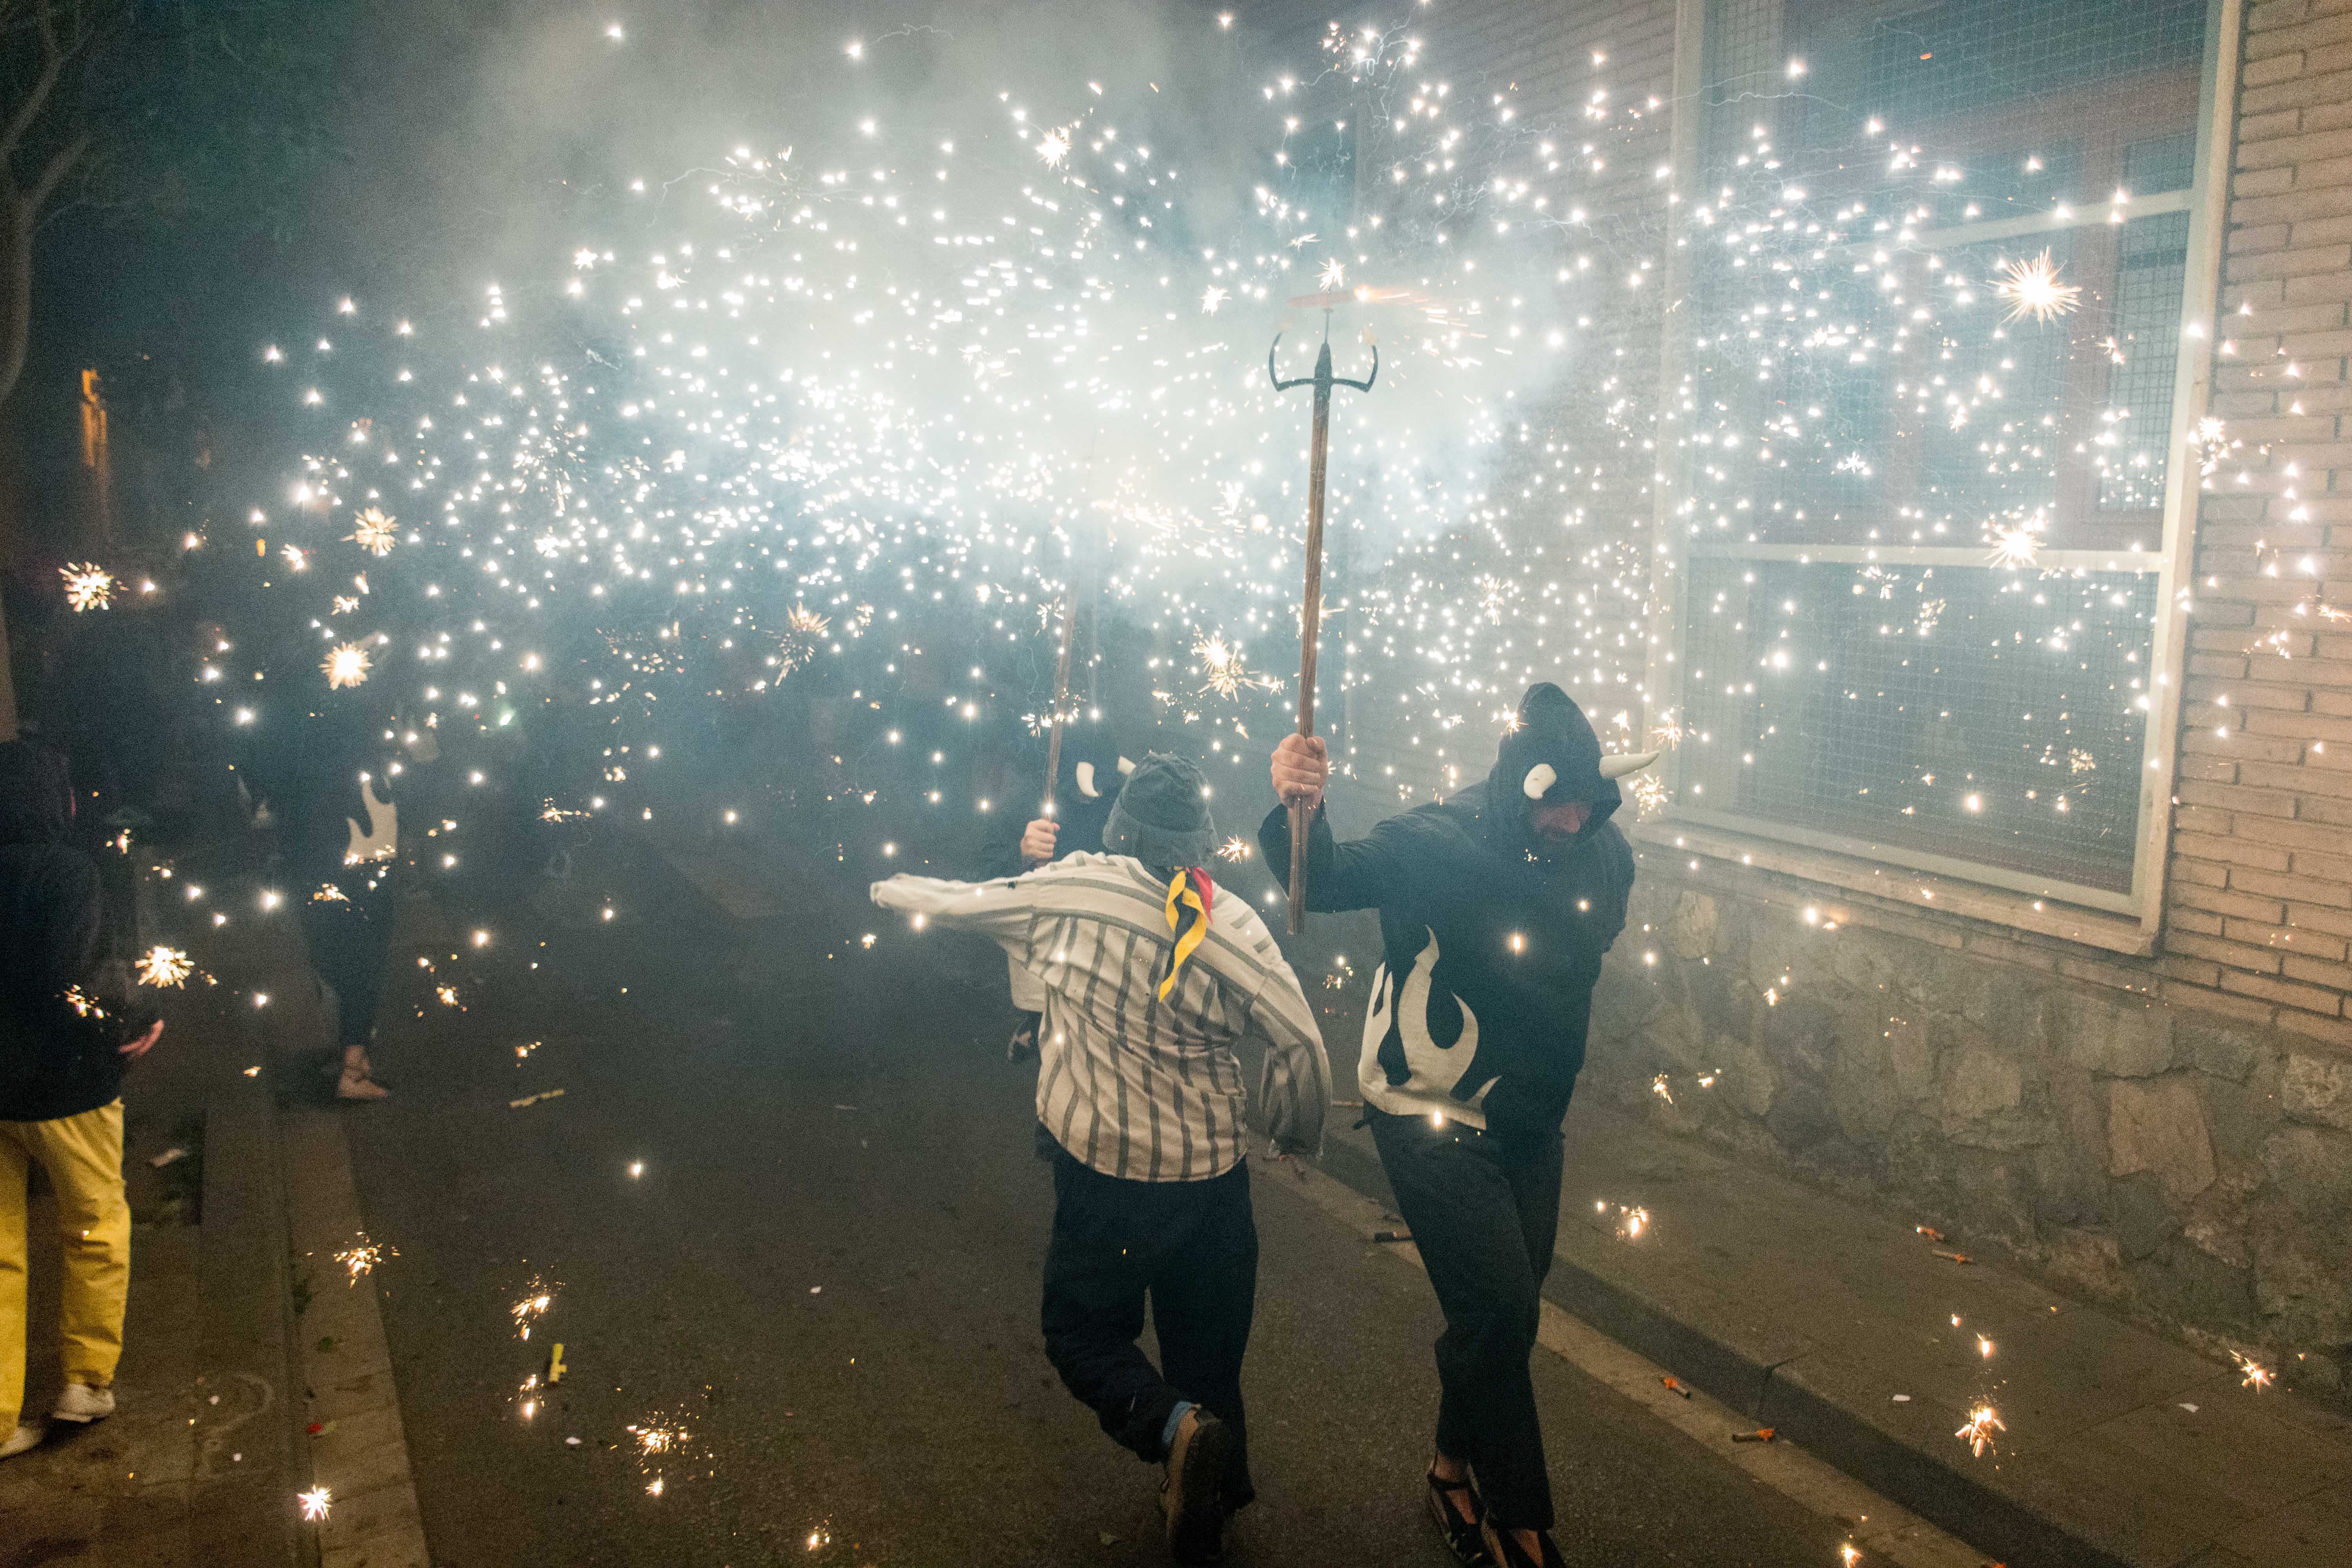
x=1061, y=698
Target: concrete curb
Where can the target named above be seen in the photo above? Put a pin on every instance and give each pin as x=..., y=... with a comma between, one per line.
x=250, y=1461
x=1841, y=1436
x=359, y=1451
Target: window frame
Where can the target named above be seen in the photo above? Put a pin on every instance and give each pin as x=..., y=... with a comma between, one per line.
x=2128, y=920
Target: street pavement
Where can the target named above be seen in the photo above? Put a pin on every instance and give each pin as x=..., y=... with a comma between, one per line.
x=790, y=1226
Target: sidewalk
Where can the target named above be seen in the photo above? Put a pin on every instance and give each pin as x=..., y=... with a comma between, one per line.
x=1836, y=1327
x=251, y=1372
x=200, y=1462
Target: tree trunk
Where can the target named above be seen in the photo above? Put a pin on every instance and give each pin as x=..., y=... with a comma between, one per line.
x=7, y=679
x=17, y=217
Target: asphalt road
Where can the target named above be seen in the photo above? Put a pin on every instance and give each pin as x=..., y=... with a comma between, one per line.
x=825, y=1277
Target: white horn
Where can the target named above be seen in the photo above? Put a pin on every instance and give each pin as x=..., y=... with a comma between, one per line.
x=1126, y=765
x=1624, y=763
x=1087, y=782
x=1539, y=778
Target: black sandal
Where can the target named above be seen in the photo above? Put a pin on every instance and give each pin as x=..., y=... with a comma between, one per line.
x=1502, y=1549
x=1462, y=1536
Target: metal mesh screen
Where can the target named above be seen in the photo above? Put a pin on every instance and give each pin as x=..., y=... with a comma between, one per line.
x=1984, y=716
x=2151, y=263
x=1928, y=62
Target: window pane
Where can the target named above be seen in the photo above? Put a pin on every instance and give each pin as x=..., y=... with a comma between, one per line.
x=2149, y=270
x=1987, y=716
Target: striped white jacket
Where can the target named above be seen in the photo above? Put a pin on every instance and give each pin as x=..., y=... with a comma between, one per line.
x=1132, y=1086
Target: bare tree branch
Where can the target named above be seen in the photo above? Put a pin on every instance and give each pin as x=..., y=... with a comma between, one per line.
x=61, y=163
x=53, y=65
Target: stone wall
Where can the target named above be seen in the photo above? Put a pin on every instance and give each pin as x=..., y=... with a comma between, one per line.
x=2192, y=1168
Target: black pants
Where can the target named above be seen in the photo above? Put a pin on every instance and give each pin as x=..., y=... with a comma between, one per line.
x=350, y=940
x=1192, y=1248
x=1485, y=1218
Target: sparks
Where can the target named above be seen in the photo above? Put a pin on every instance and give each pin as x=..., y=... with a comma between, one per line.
x=537, y=1299
x=347, y=665
x=361, y=1256
x=372, y=531
x=1978, y=1433
x=2256, y=1377
x=1211, y=298
x=1334, y=274
x=160, y=965
x=1233, y=848
x=1053, y=146
x=2031, y=289
x=88, y=587
x=316, y=1503
x=2015, y=548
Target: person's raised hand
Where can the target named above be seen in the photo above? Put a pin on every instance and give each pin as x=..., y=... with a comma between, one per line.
x=144, y=1042
x=1037, y=841
x=1300, y=767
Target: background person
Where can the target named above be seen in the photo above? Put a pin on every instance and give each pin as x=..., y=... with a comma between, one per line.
x=68, y=1027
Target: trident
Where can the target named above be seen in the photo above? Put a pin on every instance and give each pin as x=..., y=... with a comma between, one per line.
x=1310, y=612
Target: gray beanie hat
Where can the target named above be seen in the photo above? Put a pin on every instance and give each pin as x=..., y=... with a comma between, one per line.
x=1161, y=816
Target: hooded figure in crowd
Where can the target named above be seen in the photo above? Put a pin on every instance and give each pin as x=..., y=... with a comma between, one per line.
x=1495, y=907
x=1148, y=976
x=1093, y=771
x=69, y=1024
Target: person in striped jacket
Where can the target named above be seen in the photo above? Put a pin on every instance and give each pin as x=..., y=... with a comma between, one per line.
x=1151, y=976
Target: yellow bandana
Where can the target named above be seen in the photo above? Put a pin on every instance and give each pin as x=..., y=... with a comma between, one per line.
x=1188, y=889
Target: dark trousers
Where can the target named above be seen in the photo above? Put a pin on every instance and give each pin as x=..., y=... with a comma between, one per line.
x=1190, y=1247
x=350, y=940
x=1484, y=1218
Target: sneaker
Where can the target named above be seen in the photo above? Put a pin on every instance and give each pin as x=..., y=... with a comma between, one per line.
x=23, y=1440
x=1460, y=1513
x=355, y=1084
x=80, y=1401
x=1193, y=1495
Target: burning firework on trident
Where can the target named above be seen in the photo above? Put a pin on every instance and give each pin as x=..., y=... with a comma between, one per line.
x=1310, y=608
x=1061, y=696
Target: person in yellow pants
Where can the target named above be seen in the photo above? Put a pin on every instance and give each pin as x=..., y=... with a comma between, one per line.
x=83, y=1156
x=66, y=1035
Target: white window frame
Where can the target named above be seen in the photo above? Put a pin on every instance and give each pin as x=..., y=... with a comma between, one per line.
x=2128, y=921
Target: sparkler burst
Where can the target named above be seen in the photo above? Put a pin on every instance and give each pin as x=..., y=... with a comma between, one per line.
x=88, y=587
x=2031, y=289
x=346, y=665
x=2016, y=547
x=317, y=1503
x=1977, y=1433
x=160, y=965
x=361, y=1256
x=2256, y=1377
x=1234, y=848
x=372, y=531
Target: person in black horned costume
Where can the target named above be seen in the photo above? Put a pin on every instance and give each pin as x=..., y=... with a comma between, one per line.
x=1495, y=907
x=1092, y=774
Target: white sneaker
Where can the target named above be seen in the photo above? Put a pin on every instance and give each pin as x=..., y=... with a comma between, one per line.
x=22, y=1440
x=79, y=1401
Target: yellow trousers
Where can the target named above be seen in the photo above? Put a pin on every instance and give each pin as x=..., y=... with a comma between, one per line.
x=83, y=1156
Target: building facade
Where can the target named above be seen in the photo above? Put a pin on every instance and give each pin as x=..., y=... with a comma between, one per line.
x=1976, y=550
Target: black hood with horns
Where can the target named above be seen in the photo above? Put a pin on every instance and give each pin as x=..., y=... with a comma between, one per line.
x=1551, y=733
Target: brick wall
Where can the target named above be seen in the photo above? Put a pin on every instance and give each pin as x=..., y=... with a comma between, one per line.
x=2259, y=910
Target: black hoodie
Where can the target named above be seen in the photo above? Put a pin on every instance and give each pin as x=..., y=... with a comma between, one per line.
x=54, y=1060
x=1091, y=777
x=1491, y=940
